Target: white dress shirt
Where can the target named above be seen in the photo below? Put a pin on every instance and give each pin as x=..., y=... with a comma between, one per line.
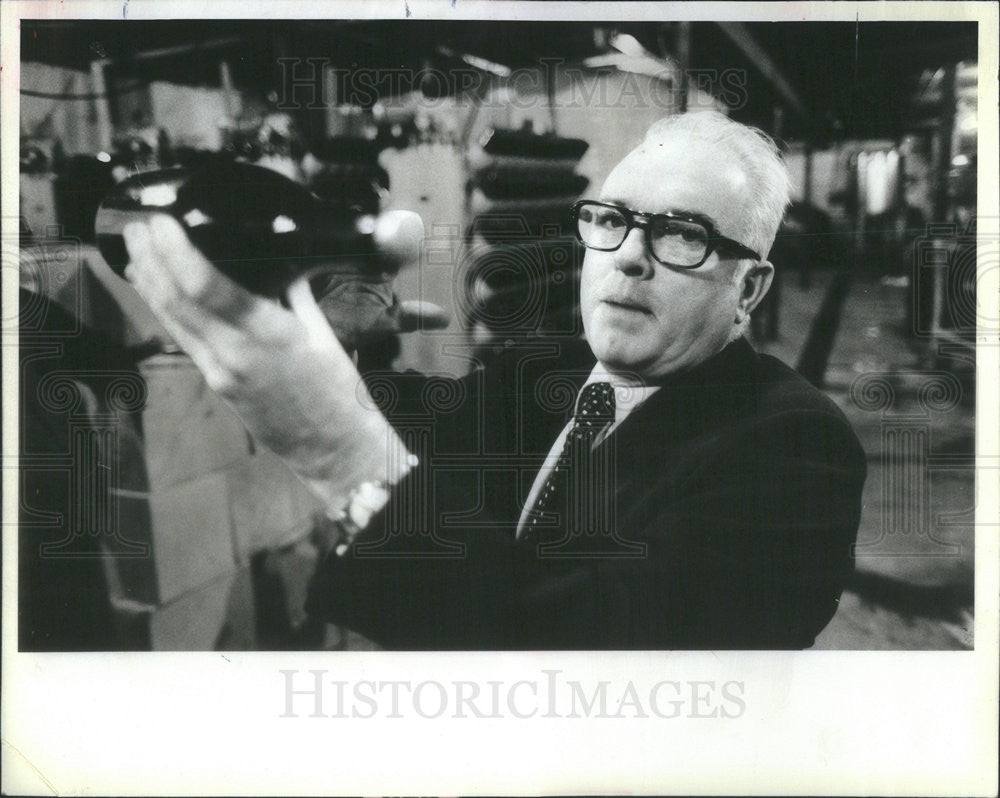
x=629, y=394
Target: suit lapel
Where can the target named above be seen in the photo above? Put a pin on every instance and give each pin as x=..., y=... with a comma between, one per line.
x=644, y=446
x=707, y=398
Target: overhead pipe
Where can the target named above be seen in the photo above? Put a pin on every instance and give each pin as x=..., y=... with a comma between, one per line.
x=740, y=36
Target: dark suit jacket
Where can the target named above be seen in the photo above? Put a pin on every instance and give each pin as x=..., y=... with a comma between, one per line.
x=725, y=521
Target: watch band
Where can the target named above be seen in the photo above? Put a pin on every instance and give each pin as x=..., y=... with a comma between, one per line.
x=362, y=503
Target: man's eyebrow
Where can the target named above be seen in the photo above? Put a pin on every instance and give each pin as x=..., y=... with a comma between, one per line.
x=676, y=211
x=695, y=214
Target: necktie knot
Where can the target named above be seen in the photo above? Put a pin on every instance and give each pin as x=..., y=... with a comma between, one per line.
x=596, y=405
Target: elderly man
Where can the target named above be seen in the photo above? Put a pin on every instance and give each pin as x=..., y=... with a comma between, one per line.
x=698, y=496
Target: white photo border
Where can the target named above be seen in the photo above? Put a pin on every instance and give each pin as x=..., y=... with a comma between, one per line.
x=814, y=722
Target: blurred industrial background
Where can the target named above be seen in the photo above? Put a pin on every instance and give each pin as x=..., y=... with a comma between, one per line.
x=149, y=519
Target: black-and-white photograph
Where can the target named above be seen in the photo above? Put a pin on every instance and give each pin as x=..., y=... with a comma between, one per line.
x=590, y=215
x=500, y=335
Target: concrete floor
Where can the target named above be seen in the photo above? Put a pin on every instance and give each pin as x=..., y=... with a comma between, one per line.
x=913, y=588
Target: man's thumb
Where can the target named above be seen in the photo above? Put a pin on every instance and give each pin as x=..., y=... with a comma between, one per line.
x=416, y=315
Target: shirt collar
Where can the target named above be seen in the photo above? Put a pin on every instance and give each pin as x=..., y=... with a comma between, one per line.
x=630, y=391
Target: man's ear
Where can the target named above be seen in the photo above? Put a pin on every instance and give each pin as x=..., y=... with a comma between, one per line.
x=753, y=287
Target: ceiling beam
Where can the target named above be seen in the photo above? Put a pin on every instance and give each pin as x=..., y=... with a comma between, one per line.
x=740, y=36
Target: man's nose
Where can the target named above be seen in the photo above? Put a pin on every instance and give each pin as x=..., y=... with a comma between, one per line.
x=632, y=257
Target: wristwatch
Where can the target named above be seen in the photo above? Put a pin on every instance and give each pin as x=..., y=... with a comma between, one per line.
x=362, y=503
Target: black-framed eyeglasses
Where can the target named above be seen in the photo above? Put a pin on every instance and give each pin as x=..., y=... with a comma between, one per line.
x=679, y=240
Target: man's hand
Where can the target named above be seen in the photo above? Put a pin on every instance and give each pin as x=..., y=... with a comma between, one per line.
x=282, y=370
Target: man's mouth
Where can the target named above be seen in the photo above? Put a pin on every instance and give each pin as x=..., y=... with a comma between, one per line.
x=626, y=304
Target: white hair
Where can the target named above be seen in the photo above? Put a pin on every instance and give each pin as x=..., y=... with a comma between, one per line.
x=758, y=155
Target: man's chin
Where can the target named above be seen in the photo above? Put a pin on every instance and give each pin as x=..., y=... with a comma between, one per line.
x=620, y=356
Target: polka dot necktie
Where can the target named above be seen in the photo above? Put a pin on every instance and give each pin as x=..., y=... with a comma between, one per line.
x=595, y=411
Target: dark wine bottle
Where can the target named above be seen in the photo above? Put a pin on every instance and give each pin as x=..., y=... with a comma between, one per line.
x=258, y=227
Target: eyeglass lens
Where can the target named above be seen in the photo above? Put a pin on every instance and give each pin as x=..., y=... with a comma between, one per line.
x=673, y=241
